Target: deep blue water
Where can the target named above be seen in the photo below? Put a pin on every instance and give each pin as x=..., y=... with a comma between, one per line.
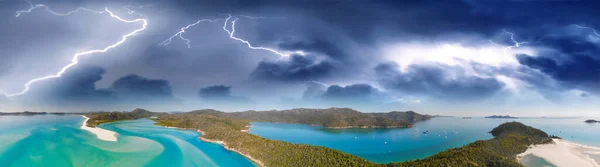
x=402, y=144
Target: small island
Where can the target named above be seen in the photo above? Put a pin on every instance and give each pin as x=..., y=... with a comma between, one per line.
x=592, y=121
x=30, y=113
x=500, y=116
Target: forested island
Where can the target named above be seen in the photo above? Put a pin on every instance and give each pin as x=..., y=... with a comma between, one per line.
x=509, y=140
x=30, y=113
x=500, y=116
x=592, y=121
x=97, y=118
x=334, y=117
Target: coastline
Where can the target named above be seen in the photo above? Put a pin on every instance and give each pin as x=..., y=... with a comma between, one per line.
x=102, y=134
x=258, y=162
x=563, y=153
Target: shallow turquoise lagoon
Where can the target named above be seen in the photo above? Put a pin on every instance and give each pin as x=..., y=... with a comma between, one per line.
x=51, y=140
x=402, y=144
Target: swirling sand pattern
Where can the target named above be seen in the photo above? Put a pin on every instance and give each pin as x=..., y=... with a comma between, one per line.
x=59, y=140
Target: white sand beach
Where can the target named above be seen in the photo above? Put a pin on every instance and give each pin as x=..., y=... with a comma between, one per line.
x=563, y=153
x=102, y=134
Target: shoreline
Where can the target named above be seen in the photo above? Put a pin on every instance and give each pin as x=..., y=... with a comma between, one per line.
x=258, y=162
x=100, y=133
x=563, y=153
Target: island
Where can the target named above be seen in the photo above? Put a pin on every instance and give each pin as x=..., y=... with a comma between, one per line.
x=96, y=118
x=31, y=113
x=592, y=121
x=500, y=116
x=333, y=117
x=230, y=130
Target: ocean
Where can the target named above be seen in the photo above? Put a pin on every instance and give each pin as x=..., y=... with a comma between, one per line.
x=58, y=140
x=403, y=144
x=50, y=140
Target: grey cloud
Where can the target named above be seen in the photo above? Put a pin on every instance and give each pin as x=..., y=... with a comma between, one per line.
x=439, y=81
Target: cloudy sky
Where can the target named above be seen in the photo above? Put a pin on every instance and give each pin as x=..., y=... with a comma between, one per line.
x=469, y=57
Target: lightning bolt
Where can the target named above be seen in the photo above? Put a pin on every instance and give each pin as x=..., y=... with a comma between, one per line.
x=182, y=30
x=133, y=12
x=584, y=27
x=244, y=41
x=75, y=58
x=512, y=38
x=317, y=82
x=230, y=33
x=36, y=6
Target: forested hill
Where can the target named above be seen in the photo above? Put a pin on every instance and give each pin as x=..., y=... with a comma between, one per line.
x=509, y=140
x=333, y=117
x=97, y=118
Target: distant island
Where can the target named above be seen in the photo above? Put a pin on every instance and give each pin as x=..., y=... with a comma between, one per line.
x=500, y=116
x=97, y=118
x=333, y=117
x=30, y=113
x=229, y=129
x=592, y=121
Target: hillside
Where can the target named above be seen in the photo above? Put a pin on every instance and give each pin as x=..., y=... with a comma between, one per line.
x=409, y=116
x=103, y=117
x=509, y=140
x=333, y=117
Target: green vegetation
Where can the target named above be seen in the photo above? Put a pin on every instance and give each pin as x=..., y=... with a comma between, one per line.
x=509, y=140
x=270, y=152
x=332, y=117
x=105, y=117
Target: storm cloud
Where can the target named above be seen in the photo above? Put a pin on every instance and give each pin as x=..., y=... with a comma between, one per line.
x=448, y=83
x=457, y=51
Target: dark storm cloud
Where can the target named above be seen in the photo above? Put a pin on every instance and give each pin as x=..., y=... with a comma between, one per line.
x=297, y=68
x=139, y=88
x=350, y=92
x=313, y=90
x=436, y=80
x=332, y=32
x=219, y=93
x=319, y=46
x=75, y=85
x=577, y=72
x=571, y=57
x=336, y=93
x=363, y=97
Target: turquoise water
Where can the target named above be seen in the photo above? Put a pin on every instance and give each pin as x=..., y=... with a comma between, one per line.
x=51, y=140
x=402, y=144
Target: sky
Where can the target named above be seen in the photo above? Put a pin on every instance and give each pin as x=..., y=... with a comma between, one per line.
x=462, y=57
